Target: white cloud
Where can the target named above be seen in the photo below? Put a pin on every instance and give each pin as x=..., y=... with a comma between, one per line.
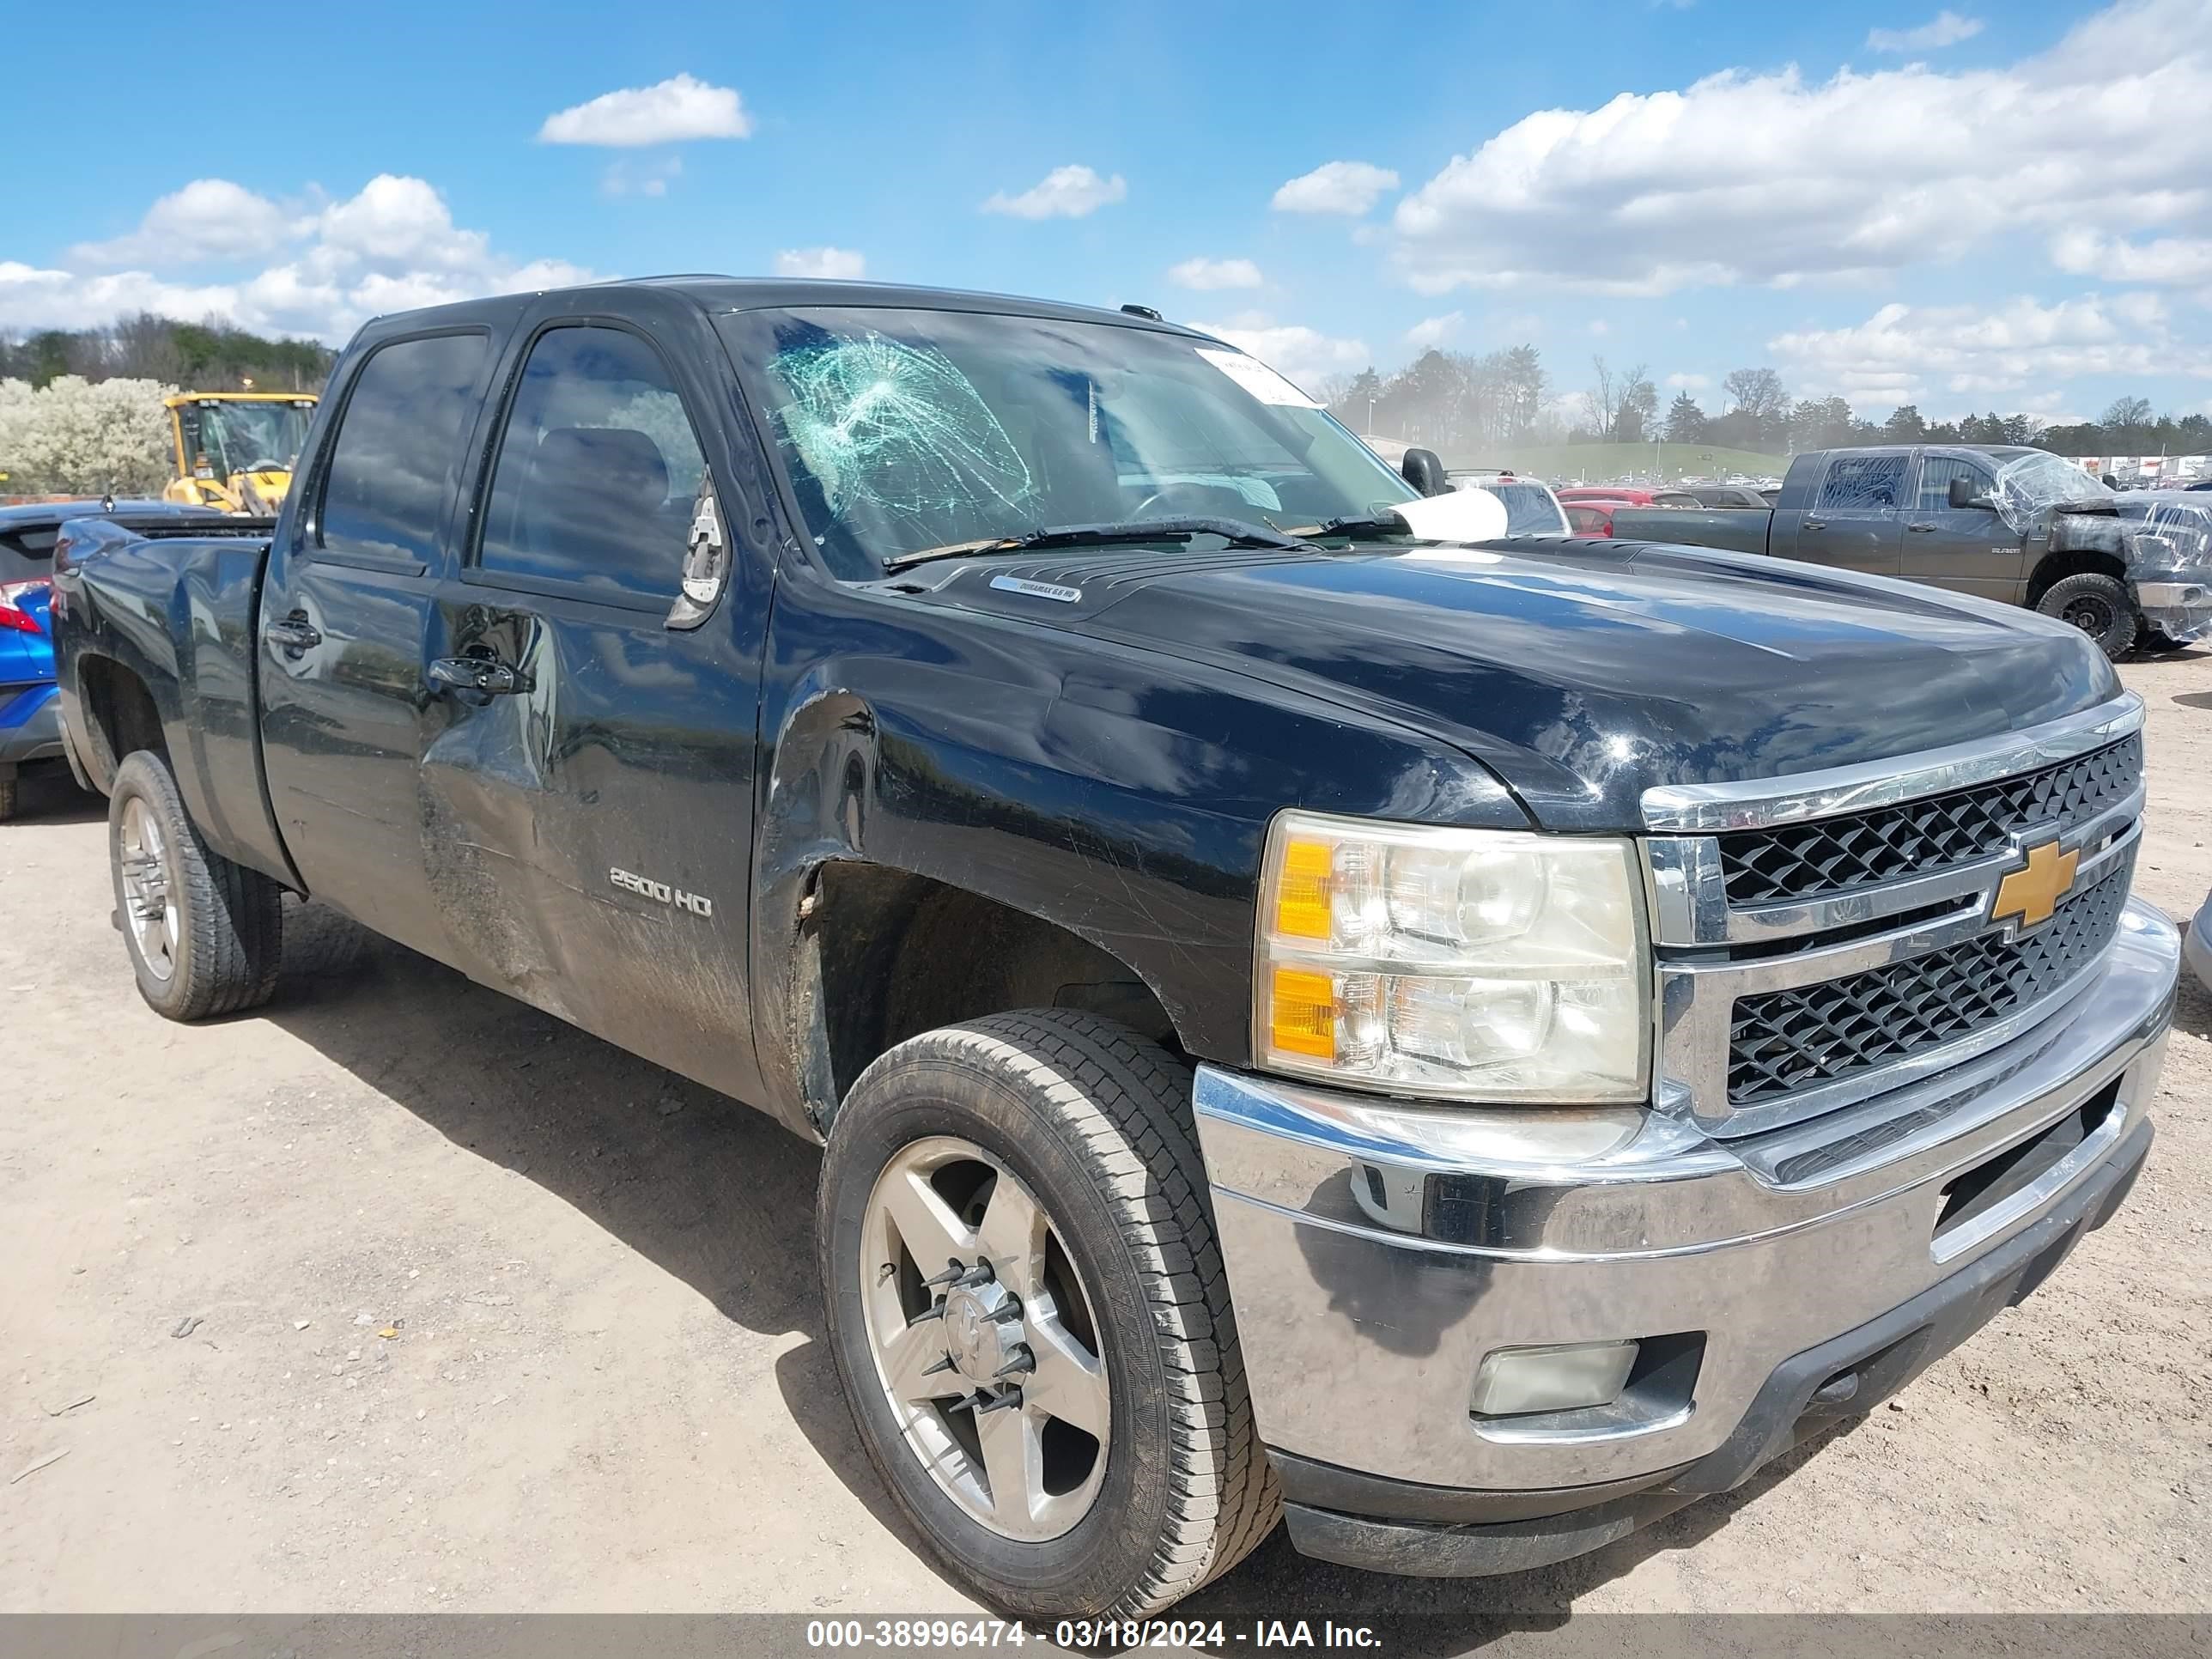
x=838, y=262
x=1945, y=28
x=1773, y=179
x=1068, y=192
x=392, y=247
x=1902, y=352
x=627, y=178
x=1209, y=275
x=1433, y=330
x=1688, y=382
x=1302, y=354
x=1350, y=187
x=208, y=219
x=2185, y=260
x=1599, y=326
x=668, y=112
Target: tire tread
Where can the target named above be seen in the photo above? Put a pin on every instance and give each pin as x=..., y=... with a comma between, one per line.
x=1122, y=1107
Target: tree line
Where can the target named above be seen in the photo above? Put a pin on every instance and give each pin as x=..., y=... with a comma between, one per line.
x=208, y=356
x=1465, y=406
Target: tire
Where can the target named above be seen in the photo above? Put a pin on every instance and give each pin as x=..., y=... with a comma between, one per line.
x=7, y=798
x=220, y=927
x=2099, y=606
x=1095, y=1122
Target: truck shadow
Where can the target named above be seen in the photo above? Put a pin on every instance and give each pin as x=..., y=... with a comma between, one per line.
x=717, y=1195
x=723, y=1199
x=1425, y=1616
x=50, y=796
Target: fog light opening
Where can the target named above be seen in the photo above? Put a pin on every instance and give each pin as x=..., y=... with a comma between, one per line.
x=1561, y=1377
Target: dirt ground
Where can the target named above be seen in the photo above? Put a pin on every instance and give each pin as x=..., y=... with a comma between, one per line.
x=402, y=1297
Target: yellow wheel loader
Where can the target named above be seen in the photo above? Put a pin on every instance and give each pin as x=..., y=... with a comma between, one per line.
x=234, y=450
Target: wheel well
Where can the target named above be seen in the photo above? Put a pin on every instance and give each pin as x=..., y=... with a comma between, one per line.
x=2059, y=566
x=897, y=954
x=119, y=713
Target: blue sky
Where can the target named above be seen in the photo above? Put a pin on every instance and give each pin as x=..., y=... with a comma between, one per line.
x=1971, y=208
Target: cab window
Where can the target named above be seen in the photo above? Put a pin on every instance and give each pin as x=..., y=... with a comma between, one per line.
x=597, y=469
x=1936, y=472
x=1863, y=483
x=398, y=445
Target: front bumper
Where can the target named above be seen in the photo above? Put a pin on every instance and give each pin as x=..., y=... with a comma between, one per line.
x=30, y=724
x=1378, y=1252
x=2178, y=603
x=2197, y=943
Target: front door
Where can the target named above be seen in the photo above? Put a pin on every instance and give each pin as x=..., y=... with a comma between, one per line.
x=1855, y=520
x=591, y=770
x=346, y=606
x=1969, y=549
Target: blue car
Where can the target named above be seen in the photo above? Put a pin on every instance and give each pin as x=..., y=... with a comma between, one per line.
x=30, y=713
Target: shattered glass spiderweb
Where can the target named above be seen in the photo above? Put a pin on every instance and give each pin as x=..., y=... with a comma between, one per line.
x=899, y=429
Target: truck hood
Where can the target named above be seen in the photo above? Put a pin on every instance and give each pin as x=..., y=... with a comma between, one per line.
x=1581, y=673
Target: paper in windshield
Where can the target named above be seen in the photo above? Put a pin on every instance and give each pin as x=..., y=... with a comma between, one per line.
x=1256, y=378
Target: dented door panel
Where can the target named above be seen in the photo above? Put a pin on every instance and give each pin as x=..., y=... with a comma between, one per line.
x=587, y=836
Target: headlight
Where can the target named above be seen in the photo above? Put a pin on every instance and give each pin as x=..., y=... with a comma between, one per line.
x=1482, y=964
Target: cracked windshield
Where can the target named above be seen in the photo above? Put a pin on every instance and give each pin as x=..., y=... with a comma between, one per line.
x=908, y=430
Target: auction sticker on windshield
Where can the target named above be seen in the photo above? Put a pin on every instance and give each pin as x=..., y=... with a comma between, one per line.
x=1256, y=378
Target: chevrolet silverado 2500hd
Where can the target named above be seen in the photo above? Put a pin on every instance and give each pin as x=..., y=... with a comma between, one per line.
x=1464, y=1045
x=2018, y=525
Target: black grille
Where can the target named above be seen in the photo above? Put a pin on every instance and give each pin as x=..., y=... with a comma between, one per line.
x=1782, y=1041
x=1833, y=855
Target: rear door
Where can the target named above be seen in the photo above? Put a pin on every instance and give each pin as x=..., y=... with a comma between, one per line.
x=589, y=812
x=345, y=609
x=1969, y=549
x=1855, y=520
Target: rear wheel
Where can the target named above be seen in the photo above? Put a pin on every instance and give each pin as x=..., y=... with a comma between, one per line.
x=7, y=798
x=1029, y=1317
x=205, y=936
x=2099, y=605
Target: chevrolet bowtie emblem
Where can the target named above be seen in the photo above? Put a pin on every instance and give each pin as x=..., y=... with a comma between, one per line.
x=2033, y=892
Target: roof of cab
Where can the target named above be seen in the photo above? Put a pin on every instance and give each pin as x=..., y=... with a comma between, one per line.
x=727, y=294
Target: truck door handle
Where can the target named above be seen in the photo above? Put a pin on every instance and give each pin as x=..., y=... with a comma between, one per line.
x=494, y=679
x=1922, y=529
x=293, y=634
x=1813, y=524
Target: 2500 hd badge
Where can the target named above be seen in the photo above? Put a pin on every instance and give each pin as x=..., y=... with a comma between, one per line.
x=697, y=904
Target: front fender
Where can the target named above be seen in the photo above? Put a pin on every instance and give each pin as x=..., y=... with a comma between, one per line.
x=1118, y=792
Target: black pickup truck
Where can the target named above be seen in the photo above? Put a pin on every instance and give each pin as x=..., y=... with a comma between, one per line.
x=1461, y=1045
x=2013, y=525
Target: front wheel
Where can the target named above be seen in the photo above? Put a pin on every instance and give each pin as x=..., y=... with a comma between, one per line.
x=1029, y=1317
x=2099, y=605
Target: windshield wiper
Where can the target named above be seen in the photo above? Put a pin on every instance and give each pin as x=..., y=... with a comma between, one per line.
x=1392, y=525
x=1235, y=531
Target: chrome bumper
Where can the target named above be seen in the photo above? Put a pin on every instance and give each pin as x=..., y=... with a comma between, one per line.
x=2179, y=603
x=1378, y=1251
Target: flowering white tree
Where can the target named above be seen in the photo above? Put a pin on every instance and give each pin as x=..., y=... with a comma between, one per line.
x=78, y=435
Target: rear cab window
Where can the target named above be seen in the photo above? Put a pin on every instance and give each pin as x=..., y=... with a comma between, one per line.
x=1868, y=485
x=397, y=453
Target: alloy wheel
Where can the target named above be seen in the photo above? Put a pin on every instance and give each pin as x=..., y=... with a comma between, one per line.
x=985, y=1338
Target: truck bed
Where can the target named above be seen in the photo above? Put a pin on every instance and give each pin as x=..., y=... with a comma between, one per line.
x=1738, y=529
x=177, y=606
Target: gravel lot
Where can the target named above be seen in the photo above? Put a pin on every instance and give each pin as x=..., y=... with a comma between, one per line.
x=400, y=1296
